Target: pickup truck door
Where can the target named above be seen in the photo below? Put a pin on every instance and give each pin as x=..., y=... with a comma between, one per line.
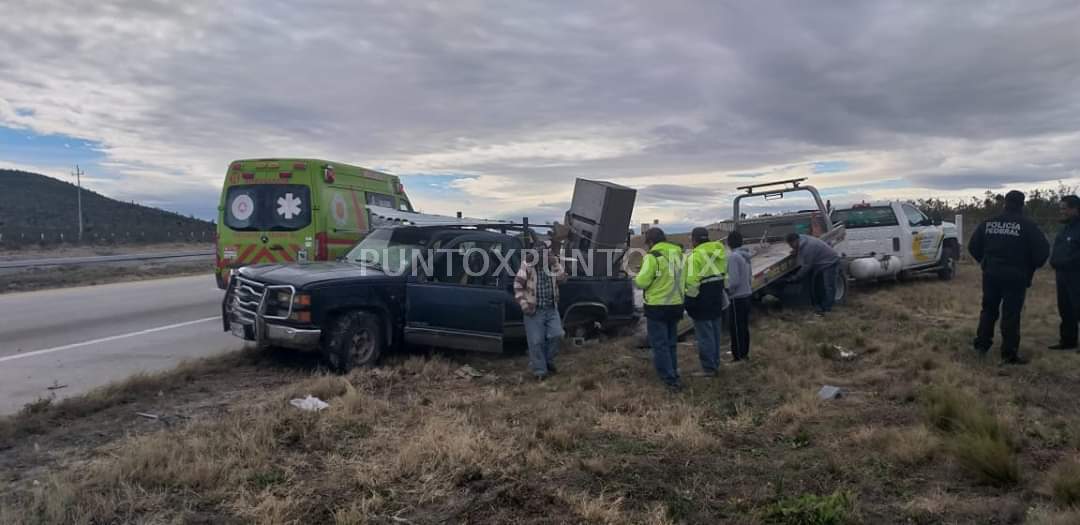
x=455, y=308
x=923, y=238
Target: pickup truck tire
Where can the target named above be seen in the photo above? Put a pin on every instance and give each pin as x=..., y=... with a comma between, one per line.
x=841, y=288
x=356, y=340
x=950, y=258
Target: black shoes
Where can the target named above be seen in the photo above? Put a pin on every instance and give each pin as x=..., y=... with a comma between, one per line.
x=1062, y=346
x=1015, y=360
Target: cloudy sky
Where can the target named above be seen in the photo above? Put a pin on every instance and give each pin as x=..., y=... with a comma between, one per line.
x=495, y=107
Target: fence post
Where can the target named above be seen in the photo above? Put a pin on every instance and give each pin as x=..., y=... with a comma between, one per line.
x=960, y=233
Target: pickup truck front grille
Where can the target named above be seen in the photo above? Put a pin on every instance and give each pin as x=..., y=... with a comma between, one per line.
x=247, y=296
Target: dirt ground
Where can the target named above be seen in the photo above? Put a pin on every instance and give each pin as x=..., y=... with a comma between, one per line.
x=927, y=432
x=28, y=279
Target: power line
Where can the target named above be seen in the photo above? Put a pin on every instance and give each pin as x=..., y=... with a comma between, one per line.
x=78, y=193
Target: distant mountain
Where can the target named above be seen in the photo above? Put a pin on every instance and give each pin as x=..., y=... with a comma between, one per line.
x=32, y=205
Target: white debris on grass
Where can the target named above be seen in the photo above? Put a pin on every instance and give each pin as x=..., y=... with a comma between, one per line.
x=309, y=403
x=830, y=392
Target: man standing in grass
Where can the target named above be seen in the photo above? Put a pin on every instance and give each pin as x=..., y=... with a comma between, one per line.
x=705, y=297
x=661, y=280
x=739, y=284
x=1010, y=248
x=1065, y=259
x=816, y=259
x=536, y=290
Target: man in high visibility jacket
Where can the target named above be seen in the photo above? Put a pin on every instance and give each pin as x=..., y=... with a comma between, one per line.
x=661, y=279
x=706, y=268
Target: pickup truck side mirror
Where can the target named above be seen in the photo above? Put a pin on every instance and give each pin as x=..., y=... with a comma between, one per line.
x=937, y=221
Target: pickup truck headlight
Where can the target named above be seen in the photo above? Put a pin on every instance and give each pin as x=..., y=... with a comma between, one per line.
x=278, y=305
x=300, y=300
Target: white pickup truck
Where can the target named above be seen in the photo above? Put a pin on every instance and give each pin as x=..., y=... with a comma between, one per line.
x=894, y=240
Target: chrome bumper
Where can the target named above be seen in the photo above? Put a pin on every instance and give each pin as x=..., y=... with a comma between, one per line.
x=288, y=337
x=243, y=313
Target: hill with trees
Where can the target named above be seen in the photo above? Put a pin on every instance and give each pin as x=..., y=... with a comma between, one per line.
x=35, y=208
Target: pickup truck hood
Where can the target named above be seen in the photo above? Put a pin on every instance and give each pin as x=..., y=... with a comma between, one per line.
x=300, y=275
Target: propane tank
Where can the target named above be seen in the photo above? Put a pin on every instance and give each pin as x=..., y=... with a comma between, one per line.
x=875, y=267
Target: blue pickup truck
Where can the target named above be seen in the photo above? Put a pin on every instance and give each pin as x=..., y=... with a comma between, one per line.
x=409, y=285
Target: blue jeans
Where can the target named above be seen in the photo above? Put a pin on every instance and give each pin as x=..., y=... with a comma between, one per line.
x=664, y=339
x=543, y=331
x=708, y=343
x=828, y=286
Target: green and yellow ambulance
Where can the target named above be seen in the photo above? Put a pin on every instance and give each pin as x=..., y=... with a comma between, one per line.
x=297, y=210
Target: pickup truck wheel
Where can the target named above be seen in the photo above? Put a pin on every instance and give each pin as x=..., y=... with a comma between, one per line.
x=356, y=341
x=841, y=288
x=950, y=257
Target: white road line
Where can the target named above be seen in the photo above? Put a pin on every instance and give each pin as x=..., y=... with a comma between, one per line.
x=106, y=339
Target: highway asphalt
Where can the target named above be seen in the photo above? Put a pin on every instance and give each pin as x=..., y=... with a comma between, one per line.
x=98, y=259
x=81, y=338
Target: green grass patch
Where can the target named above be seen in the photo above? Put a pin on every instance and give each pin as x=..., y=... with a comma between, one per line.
x=810, y=509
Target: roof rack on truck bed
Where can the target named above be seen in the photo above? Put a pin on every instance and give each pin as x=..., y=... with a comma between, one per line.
x=795, y=183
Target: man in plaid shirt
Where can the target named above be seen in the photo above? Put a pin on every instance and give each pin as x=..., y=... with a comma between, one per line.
x=536, y=290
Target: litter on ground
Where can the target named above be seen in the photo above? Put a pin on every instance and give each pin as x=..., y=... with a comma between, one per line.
x=309, y=403
x=468, y=372
x=830, y=392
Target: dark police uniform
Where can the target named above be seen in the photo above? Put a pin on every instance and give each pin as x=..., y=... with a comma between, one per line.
x=1065, y=260
x=1009, y=247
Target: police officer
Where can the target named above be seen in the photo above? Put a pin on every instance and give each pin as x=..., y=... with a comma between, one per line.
x=1065, y=259
x=1010, y=248
x=661, y=279
x=706, y=299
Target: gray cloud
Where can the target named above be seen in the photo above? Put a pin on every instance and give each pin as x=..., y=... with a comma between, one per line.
x=950, y=96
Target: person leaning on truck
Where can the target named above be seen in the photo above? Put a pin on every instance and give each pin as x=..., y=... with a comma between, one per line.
x=536, y=290
x=739, y=287
x=1009, y=247
x=706, y=300
x=661, y=280
x=816, y=258
x=1065, y=259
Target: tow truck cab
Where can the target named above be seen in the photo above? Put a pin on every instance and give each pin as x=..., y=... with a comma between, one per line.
x=892, y=239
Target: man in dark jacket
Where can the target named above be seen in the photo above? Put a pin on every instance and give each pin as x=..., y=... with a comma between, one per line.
x=1065, y=260
x=1010, y=248
x=816, y=260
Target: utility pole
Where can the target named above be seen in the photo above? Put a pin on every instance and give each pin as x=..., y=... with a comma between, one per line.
x=78, y=190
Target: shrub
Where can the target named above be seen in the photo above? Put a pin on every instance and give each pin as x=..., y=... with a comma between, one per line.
x=810, y=509
x=988, y=458
x=979, y=440
x=1065, y=483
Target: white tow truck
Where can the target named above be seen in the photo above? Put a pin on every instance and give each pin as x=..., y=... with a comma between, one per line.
x=772, y=260
x=893, y=240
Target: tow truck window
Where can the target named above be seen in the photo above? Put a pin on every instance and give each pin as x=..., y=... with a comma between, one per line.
x=277, y=207
x=378, y=199
x=870, y=217
x=914, y=216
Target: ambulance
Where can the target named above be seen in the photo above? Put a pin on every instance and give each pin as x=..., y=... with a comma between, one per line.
x=297, y=210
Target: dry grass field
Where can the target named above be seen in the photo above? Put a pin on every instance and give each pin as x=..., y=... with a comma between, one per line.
x=926, y=433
